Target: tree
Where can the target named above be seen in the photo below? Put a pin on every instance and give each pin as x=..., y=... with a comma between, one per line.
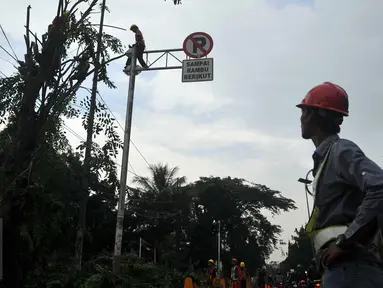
x=184, y=220
x=158, y=199
x=237, y=203
x=300, y=250
x=33, y=102
x=163, y=179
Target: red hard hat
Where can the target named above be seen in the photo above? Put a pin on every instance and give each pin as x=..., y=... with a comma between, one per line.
x=327, y=96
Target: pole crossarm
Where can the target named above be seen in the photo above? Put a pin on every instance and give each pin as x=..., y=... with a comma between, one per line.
x=166, y=54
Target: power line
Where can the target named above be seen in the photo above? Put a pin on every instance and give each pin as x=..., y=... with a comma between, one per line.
x=131, y=167
x=82, y=139
x=10, y=55
x=115, y=118
x=9, y=43
x=1, y=58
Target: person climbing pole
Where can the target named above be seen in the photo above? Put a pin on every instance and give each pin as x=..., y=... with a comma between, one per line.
x=348, y=195
x=139, y=48
x=82, y=67
x=53, y=46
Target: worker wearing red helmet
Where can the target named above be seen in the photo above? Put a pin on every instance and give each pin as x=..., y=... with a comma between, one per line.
x=348, y=195
x=235, y=274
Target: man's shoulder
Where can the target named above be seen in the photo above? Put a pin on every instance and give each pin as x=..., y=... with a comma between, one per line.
x=343, y=145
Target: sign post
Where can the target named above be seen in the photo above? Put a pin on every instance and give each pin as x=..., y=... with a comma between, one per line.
x=197, y=45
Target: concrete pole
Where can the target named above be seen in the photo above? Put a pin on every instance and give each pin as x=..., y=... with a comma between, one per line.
x=124, y=167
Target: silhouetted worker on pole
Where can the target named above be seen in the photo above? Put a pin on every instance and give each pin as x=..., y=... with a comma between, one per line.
x=139, y=48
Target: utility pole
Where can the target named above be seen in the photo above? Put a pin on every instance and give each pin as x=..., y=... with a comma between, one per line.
x=125, y=153
x=219, y=250
x=88, y=149
x=124, y=168
x=140, y=248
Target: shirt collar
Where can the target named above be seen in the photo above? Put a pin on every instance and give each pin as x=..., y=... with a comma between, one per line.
x=325, y=145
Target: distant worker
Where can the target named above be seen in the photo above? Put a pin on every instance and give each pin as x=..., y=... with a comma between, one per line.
x=243, y=275
x=292, y=277
x=279, y=278
x=312, y=272
x=270, y=281
x=235, y=274
x=211, y=272
x=262, y=277
x=139, y=47
x=82, y=68
x=348, y=189
x=301, y=274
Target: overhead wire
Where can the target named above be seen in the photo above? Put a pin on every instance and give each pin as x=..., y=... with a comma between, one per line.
x=134, y=145
x=159, y=215
x=130, y=165
x=6, y=60
x=132, y=171
x=10, y=55
x=9, y=43
x=73, y=132
x=119, y=124
x=82, y=139
x=16, y=59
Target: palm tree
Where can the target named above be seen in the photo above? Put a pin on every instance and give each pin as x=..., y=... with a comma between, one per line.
x=162, y=178
x=162, y=196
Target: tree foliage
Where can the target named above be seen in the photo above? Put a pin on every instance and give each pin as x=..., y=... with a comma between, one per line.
x=300, y=250
x=33, y=102
x=185, y=217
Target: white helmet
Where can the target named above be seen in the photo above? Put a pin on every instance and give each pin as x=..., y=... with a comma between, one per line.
x=291, y=270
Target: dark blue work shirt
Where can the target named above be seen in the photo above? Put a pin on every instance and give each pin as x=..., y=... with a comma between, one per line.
x=350, y=188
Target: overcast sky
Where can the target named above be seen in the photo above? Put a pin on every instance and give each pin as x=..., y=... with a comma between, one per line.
x=267, y=55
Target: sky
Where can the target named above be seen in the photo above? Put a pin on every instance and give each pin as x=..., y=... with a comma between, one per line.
x=267, y=55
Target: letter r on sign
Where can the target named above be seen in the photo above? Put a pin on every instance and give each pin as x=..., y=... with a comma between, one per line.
x=201, y=41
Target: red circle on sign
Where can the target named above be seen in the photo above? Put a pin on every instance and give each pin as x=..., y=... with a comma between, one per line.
x=204, y=51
